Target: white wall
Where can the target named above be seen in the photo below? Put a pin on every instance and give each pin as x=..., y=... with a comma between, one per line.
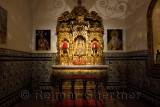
x=46, y=12
x=19, y=25
x=136, y=25
x=21, y=33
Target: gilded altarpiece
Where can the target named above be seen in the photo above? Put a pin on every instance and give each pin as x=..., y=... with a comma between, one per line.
x=80, y=37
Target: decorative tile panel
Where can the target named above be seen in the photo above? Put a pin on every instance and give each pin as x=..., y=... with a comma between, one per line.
x=117, y=71
x=138, y=78
x=126, y=70
x=15, y=75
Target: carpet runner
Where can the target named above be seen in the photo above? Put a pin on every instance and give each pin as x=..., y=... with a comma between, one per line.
x=79, y=103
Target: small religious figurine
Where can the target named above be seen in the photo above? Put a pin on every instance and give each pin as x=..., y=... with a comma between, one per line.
x=80, y=45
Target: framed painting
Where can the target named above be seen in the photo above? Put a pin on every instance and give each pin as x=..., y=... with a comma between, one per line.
x=3, y=26
x=115, y=41
x=43, y=39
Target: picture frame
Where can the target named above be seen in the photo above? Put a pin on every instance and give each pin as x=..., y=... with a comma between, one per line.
x=114, y=39
x=3, y=26
x=43, y=39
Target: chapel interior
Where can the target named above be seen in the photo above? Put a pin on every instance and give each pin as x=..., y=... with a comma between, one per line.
x=79, y=53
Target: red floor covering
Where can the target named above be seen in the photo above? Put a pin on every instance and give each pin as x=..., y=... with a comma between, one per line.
x=79, y=103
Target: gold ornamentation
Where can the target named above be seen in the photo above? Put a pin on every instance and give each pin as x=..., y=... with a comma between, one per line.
x=80, y=29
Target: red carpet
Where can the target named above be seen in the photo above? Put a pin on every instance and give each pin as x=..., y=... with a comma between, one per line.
x=79, y=103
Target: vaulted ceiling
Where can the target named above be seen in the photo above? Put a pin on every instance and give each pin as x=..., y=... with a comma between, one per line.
x=107, y=8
